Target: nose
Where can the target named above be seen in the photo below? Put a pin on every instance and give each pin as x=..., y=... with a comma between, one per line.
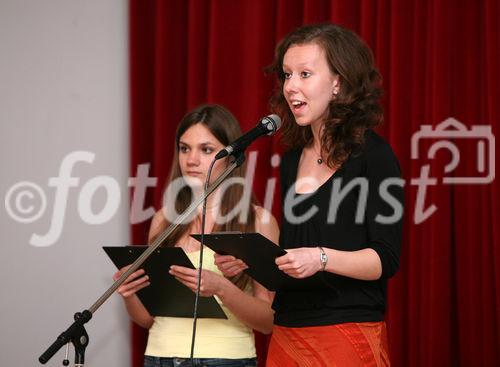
x=291, y=85
x=193, y=158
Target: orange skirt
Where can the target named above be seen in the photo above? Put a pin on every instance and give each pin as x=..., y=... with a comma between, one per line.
x=343, y=345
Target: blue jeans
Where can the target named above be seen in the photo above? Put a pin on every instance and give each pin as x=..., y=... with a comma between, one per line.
x=198, y=362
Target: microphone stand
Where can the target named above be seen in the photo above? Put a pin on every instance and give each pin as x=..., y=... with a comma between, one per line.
x=76, y=333
x=240, y=156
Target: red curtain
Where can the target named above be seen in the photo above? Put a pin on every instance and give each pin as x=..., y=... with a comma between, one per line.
x=439, y=59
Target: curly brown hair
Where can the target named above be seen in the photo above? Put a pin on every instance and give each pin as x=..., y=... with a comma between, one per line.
x=355, y=108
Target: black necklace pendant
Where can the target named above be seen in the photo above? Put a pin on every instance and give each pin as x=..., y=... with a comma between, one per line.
x=319, y=161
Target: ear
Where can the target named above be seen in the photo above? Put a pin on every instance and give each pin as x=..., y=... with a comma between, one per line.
x=335, y=85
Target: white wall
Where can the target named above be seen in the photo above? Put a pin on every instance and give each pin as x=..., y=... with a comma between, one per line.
x=63, y=87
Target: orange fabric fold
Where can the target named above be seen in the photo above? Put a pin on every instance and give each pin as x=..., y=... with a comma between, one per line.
x=343, y=345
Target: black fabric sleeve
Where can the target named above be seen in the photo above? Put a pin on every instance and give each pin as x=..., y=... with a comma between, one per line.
x=385, y=238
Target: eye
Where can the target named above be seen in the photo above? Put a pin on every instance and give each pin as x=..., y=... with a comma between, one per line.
x=183, y=149
x=208, y=150
x=305, y=74
x=287, y=75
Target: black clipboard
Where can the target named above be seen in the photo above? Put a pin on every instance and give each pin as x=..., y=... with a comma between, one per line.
x=259, y=253
x=165, y=296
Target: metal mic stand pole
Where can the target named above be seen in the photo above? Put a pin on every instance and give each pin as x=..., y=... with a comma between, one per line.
x=76, y=333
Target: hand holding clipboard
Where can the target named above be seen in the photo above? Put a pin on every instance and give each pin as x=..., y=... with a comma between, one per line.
x=165, y=296
x=259, y=254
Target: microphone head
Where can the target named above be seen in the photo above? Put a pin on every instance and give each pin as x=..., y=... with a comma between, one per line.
x=271, y=123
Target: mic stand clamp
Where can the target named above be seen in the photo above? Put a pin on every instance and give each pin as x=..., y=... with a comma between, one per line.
x=77, y=335
x=80, y=340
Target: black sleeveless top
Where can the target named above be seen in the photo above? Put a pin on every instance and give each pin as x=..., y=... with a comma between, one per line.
x=343, y=299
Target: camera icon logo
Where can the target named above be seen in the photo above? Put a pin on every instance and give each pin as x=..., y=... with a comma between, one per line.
x=478, y=145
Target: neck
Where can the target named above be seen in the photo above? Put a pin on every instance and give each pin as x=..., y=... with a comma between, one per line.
x=317, y=132
x=211, y=199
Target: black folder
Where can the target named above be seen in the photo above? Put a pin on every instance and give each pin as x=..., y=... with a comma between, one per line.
x=165, y=296
x=259, y=253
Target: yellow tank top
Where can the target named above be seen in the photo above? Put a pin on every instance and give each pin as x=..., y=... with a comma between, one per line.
x=215, y=338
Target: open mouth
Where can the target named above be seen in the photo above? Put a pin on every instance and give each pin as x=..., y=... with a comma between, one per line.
x=297, y=106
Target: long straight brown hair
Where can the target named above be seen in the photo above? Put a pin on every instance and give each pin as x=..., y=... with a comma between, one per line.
x=223, y=125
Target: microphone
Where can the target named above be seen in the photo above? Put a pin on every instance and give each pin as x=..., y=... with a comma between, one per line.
x=267, y=126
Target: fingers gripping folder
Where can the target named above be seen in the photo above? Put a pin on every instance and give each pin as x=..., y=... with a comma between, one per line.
x=260, y=254
x=166, y=296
